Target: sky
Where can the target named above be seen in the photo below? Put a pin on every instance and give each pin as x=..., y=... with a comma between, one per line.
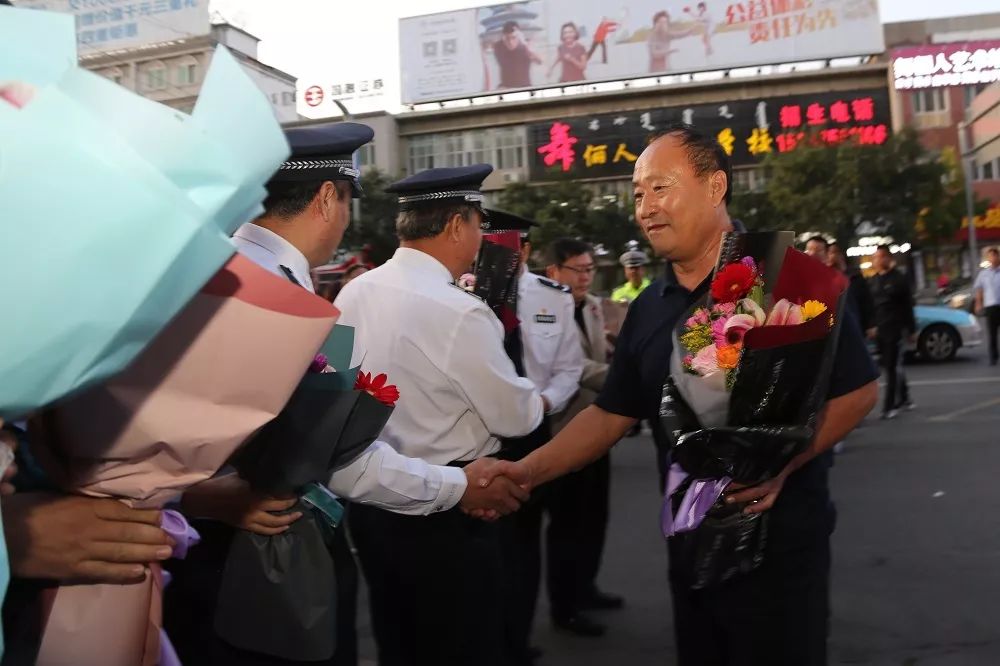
x=331, y=41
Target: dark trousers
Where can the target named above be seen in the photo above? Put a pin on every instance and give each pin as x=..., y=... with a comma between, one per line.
x=992, y=327
x=434, y=584
x=578, y=507
x=897, y=392
x=521, y=544
x=521, y=547
x=190, y=600
x=777, y=615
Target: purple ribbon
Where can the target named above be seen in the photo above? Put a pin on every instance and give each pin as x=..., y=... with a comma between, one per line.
x=698, y=499
x=184, y=536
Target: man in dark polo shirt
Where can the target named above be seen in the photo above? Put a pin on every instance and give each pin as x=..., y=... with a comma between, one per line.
x=778, y=614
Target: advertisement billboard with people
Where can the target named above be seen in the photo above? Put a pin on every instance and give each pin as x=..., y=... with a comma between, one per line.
x=551, y=43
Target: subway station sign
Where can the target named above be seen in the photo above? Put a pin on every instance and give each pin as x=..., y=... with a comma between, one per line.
x=749, y=130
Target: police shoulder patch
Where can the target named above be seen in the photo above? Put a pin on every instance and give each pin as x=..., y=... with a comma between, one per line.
x=552, y=284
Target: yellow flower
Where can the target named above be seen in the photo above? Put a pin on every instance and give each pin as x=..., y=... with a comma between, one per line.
x=812, y=309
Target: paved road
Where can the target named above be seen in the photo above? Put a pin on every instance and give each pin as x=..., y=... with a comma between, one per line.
x=916, y=553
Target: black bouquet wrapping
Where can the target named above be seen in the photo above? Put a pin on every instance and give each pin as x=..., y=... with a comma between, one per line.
x=277, y=595
x=777, y=391
x=497, y=268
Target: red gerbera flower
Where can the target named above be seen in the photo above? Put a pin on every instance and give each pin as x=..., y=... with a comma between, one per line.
x=733, y=282
x=377, y=388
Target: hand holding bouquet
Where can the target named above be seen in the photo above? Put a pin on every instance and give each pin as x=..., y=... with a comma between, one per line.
x=748, y=376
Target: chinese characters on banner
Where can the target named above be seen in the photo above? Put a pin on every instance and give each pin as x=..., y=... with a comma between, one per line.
x=105, y=25
x=608, y=145
x=774, y=20
x=941, y=65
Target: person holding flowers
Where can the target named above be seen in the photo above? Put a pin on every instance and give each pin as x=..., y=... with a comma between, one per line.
x=776, y=614
x=307, y=211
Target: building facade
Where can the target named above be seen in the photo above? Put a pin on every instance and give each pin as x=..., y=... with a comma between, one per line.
x=172, y=72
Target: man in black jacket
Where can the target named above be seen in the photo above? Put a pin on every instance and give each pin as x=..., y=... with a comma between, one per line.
x=893, y=319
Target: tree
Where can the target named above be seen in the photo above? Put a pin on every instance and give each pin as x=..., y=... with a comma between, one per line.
x=830, y=190
x=375, y=227
x=570, y=209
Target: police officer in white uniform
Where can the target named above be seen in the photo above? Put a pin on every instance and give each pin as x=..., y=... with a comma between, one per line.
x=552, y=358
x=435, y=583
x=306, y=213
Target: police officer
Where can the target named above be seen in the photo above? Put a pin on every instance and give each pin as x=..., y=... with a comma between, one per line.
x=306, y=213
x=435, y=582
x=552, y=358
x=634, y=262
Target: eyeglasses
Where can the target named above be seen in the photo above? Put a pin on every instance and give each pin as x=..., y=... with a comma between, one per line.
x=585, y=270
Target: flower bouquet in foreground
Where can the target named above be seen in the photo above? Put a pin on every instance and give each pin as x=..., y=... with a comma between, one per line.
x=749, y=373
x=276, y=592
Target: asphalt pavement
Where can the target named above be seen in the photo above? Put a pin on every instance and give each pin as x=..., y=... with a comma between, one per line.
x=916, y=575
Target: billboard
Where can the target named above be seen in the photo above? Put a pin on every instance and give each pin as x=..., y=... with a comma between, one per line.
x=108, y=25
x=603, y=146
x=943, y=65
x=547, y=43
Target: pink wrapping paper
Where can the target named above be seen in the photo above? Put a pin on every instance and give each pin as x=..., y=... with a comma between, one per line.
x=217, y=373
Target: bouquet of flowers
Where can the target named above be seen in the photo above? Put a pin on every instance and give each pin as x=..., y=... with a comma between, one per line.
x=148, y=199
x=172, y=419
x=749, y=373
x=276, y=592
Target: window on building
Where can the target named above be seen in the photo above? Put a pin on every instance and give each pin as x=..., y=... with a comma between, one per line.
x=932, y=100
x=970, y=92
x=450, y=149
x=481, y=145
x=366, y=155
x=186, y=72
x=156, y=76
x=421, y=153
x=987, y=172
x=749, y=180
x=509, y=148
x=116, y=75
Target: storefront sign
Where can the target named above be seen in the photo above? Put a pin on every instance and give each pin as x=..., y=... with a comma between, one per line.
x=748, y=130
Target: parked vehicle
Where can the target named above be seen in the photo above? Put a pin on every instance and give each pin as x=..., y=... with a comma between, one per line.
x=941, y=331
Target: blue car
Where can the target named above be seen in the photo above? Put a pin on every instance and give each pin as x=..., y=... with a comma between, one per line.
x=941, y=331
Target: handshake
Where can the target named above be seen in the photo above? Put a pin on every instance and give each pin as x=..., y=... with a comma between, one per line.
x=495, y=488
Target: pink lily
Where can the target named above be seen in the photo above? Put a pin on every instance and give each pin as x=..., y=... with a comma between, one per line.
x=737, y=326
x=750, y=307
x=784, y=313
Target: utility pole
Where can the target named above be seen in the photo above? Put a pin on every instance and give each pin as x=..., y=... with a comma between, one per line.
x=968, y=168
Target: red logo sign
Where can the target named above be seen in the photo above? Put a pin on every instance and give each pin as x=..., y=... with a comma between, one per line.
x=314, y=95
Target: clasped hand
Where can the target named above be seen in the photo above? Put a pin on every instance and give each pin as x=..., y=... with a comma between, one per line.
x=495, y=488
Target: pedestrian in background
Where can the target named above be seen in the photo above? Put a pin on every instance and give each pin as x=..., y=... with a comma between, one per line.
x=634, y=262
x=987, y=290
x=859, y=296
x=579, y=503
x=894, y=321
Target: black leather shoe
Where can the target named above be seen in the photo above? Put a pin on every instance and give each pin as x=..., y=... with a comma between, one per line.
x=581, y=625
x=602, y=601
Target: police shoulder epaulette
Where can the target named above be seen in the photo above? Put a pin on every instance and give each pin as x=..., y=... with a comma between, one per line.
x=466, y=291
x=551, y=284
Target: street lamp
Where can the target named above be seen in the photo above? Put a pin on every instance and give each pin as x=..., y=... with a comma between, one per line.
x=967, y=167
